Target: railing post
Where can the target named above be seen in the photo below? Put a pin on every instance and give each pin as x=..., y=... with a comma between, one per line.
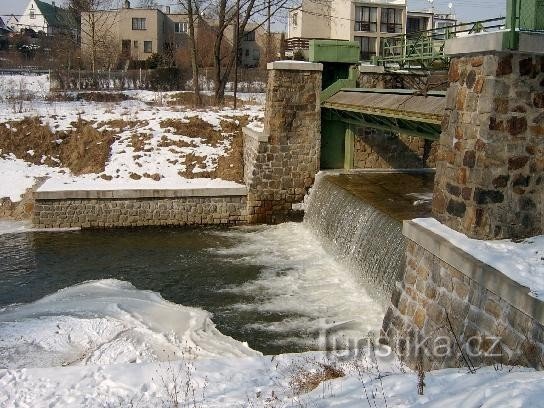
x=511, y=39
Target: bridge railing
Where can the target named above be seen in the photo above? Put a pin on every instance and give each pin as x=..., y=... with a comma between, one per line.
x=427, y=46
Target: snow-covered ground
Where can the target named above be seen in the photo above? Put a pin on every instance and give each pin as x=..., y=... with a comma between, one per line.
x=522, y=261
x=163, y=152
x=105, y=343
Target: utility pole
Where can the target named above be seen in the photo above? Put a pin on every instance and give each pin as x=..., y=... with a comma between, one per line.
x=269, y=34
x=237, y=46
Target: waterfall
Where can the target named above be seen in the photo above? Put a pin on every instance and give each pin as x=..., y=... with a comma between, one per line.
x=364, y=239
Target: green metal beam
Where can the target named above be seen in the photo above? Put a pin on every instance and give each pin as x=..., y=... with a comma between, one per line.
x=406, y=127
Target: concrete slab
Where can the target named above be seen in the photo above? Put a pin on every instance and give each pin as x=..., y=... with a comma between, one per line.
x=486, y=276
x=255, y=134
x=295, y=65
x=136, y=194
x=529, y=43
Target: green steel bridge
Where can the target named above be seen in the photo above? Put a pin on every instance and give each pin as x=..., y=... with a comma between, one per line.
x=411, y=112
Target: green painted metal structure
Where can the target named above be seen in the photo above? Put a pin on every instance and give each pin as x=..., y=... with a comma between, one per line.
x=425, y=49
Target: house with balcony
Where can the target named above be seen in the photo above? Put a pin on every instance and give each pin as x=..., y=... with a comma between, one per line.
x=366, y=22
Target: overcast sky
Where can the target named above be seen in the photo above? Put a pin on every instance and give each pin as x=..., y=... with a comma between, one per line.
x=467, y=10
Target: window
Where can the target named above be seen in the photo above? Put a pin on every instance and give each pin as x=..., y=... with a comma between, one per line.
x=32, y=13
x=366, y=19
x=247, y=52
x=413, y=25
x=294, y=19
x=181, y=27
x=391, y=20
x=138, y=23
x=249, y=36
x=148, y=47
x=368, y=47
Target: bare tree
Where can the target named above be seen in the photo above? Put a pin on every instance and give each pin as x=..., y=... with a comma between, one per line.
x=228, y=13
x=149, y=4
x=193, y=11
x=98, y=23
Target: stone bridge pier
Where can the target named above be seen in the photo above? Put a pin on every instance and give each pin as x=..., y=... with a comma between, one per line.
x=489, y=185
x=490, y=170
x=281, y=161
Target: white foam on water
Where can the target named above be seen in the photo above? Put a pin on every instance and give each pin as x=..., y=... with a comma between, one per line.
x=299, y=278
x=13, y=227
x=108, y=322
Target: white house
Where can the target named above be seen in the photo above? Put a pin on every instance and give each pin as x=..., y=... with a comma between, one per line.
x=40, y=16
x=12, y=22
x=366, y=22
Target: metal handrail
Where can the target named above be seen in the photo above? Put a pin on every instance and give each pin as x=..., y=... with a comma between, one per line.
x=428, y=45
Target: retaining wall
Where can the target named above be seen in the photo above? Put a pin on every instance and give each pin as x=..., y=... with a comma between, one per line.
x=136, y=208
x=448, y=294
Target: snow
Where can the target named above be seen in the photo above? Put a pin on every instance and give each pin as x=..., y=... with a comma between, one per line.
x=36, y=86
x=16, y=175
x=106, y=322
x=265, y=382
x=523, y=261
x=106, y=343
x=68, y=183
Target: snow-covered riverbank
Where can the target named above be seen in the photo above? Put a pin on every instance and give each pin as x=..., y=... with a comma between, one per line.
x=105, y=343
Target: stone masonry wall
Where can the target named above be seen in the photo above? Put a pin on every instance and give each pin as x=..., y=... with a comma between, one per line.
x=434, y=294
x=107, y=213
x=375, y=149
x=490, y=171
x=282, y=161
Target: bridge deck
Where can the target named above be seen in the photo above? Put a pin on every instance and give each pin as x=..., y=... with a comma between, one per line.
x=402, y=110
x=391, y=103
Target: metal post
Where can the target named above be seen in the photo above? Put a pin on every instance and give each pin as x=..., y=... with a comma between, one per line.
x=349, y=146
x=512, y=17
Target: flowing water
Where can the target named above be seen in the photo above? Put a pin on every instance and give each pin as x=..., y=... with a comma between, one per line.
x=358, y=219
x=275, y=287
x=271, y=286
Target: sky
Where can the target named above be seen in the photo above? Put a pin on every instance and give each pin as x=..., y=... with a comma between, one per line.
x=466, y=10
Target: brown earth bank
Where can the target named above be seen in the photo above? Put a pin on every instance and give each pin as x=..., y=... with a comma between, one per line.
x=82, y=150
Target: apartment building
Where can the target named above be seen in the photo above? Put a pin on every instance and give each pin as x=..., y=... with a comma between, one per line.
x=429, y=20
x=366, y=22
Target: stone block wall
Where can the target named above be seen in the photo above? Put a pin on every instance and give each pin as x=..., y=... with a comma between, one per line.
x=138, y=212
x=376, y=149
x=282, y=161
x=468, y=303
x=490, y=171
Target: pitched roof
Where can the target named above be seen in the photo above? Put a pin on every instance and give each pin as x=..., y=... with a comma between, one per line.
x=2, y=24
x=56, y=16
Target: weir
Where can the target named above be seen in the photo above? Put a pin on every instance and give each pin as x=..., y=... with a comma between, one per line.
x=358, y=218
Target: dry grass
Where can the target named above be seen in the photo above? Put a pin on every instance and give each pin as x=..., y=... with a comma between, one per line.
x=165, y=142
x=186, y=99
x=303, y=380
x=121, y=124
x=229, y=166
x=87, y=96
x=139, y=140
x=194, y=127
x=102, y=96
x=82, y=149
